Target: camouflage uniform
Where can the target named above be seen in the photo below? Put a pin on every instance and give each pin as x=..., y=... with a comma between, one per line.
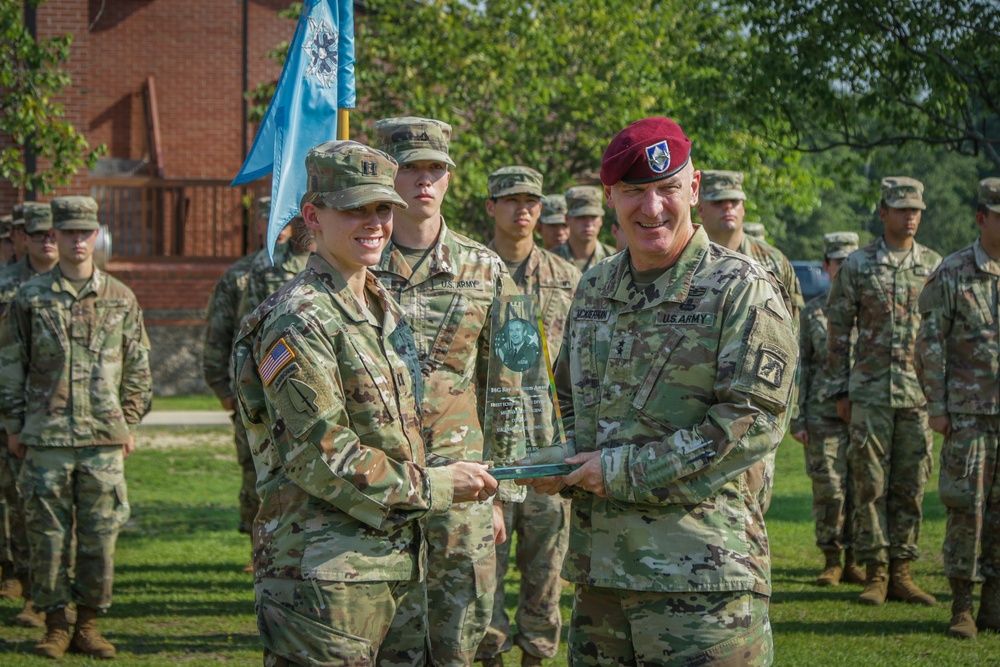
x=890, y=453
x=76, y=382
x=541, y=521
x=264, y=278
x=688, y=435
x=958, y=352
x=584, y=200
x=775, y=261
x=602, y=251
x=449, y=301
x=755, y=230
x=329, y=398
x=223, y=325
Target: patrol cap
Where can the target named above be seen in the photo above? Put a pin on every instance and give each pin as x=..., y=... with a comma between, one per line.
x=989, y=194
x=346, y=174
x=720, y=185
x=264, y=208
x=507, y=181
x=37, y=217
x=5, y=226
x=839, y=245
x=18, y=215
x=648, y=150
x=553, y=210
x=408, y=139
x=75, y=213
x=903, y=192
x=584, y=200
x=754, y=229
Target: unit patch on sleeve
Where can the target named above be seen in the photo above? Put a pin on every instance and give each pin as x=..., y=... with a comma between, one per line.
x=771, y=364
x=276, y=358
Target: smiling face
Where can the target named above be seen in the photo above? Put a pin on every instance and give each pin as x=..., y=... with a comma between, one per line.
x=353, y=239
x=422, y=185
x=515, y=215
x=655, y=217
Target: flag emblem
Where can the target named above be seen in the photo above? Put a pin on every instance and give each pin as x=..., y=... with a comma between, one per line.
x=658, y=156
x=322, y=52
x=277, y=358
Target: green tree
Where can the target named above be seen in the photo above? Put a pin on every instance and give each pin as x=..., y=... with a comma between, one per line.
x=30, y=81
x=870, y=73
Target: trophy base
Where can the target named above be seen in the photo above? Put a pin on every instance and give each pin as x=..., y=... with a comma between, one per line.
x=528, y=472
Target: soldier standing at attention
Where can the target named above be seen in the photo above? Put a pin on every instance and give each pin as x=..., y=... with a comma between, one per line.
x=875, y=293
x=446, y=284
x=223, y=325
x=329, y=386
x=6, y=245
x=541, y=521
x=553, y=228
x=17, y=236
x=958, y=351
x=674, y=378
x=75, y=385
x=40, y=258
x=721, y=210
x=265, y=277
x=584, y=215
x=823, y=434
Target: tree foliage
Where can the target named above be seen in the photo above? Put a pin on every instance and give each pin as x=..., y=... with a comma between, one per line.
x=869, y=73
x=30, y=81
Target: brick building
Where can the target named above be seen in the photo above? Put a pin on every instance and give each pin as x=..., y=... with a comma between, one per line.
x=160, y=82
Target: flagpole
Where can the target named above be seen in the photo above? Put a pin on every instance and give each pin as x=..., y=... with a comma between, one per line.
x=343, y=124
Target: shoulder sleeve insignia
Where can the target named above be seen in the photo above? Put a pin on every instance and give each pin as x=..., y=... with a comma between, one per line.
x=302, y=396
x=279, y=356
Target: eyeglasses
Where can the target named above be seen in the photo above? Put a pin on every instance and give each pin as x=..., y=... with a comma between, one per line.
x=41, y=237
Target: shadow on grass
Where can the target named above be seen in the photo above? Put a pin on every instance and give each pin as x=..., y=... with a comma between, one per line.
x=857, y=628
x=792, y=508
x=223, y=644
x=165, y=520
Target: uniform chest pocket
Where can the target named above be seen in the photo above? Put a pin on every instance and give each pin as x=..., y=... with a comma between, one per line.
x=975, y=305
x=679, y=379
x=876, y=284
x=368, y=389
x=48, y=335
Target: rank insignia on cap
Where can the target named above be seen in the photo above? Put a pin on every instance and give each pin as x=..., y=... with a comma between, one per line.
x=658, y=156
x=771, y=365
x=277, y=358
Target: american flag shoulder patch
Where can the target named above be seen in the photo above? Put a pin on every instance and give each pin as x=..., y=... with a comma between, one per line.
x=276, y=358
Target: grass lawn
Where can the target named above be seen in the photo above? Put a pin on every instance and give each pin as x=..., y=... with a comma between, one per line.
x=181, y=598
x=189, y=402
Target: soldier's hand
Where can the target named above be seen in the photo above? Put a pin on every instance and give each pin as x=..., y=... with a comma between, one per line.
x=589, y=475
x=941, y=424
x=548, y=486
x=15, y=446
x=128, y=447
x=499, y=525
x=844, y=409
x=472, y=481
x=229, y=404
x=802, y=436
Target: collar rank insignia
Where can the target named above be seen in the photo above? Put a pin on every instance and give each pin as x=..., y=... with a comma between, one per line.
x=276, y=358
x=658, y=156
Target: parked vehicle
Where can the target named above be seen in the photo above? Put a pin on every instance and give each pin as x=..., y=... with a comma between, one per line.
x=813, y=279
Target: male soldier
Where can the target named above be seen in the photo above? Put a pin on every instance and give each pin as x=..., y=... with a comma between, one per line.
x=41, y=257
x=721, y=210
x=755, y=230
x=223, y=325
x=824, y=435
x=17, y=236
x=6, y=245
x=329, y=387
x=616, y=234
x=585, y=215
x=76, y=382
x=958, y=352
x=541, y=521
x=875, y=293
x=265, y=277
x=553, y=228
x=446, y=284
x=673, y=379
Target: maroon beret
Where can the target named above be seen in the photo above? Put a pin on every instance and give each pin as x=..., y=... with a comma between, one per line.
x=647, y=150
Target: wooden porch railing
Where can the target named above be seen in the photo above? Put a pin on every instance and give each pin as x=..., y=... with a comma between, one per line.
x=155, y=217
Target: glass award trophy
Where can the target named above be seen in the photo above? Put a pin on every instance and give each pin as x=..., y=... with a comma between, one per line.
x=521, y=410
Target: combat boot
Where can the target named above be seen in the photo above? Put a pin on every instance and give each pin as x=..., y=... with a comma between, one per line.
x=988, y=619
x=87, y=639
x=56, y=639
x=961, y=626
x=876, y=585
x=10, y=586
x=830, y=576
x=852, y=573
x=29, y=617
x=902, y=586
